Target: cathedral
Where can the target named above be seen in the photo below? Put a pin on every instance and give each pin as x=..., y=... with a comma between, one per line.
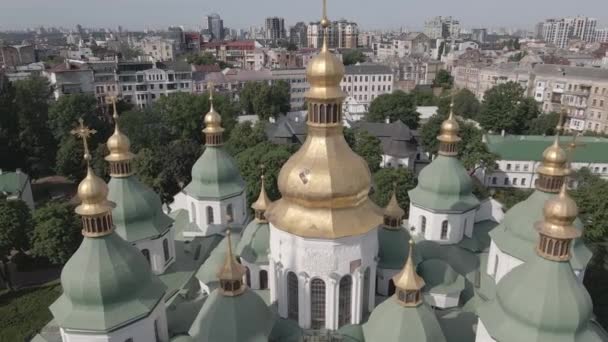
x=323, y=262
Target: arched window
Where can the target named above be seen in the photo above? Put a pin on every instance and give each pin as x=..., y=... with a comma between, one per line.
x=263, y=279
x=166, y=249
x=230, y=213
x=247, y=276
x=146, y=253
x=466, y=223
x=366, y=290
x=391, y=287
x=156, y=332
x=209, y=215
x=423, y=224
x=292, y=299
x=495, y=266
x=344, y=302
x=317, y=304
x=444, y=230
x=193, y=212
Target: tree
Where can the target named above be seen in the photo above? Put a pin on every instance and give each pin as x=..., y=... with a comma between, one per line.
x=10, y=147
x=395, y=106
x=384, y=182
x=15, y=226
x=265, y=100
x=245, y=135
x=178, y=159
x=443, y=79
x=544, y=124
x=145, y=129
x=466, y=104
x=505, y=107
x=272, y=157
x=591, y=196
x=202, y=59
x=70, y=162
x=353, y=56
x=64, y=113
x=56, y=233
x=365, y=145
x=423, y=97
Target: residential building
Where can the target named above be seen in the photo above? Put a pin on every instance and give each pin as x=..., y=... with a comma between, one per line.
x=559, y=31
x=244, y=54
x=581, y=92
x=15, y=55
x=442, y=27
x=296, y=78
x=342, y=34
x=213, y=25
x=366, y=81
x=281, y=58
x=158, y=48
x=70, y=77
x=601, y=35
x=275, y=28
x=519, y=157
x=413, y=43
x=105, y=79
x=414, y=71
x=298, y=35
x=479, y=78
x=583, y=28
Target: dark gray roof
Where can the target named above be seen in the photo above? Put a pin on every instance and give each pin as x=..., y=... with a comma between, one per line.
x=286, y=128
x=552, y=70
x=397, y=138
x=368, y=69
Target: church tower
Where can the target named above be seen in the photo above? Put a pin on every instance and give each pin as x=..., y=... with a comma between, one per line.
x=216, y=195
x=323, y=231
x=109, y=292
x=442, y=206
x=138, y=216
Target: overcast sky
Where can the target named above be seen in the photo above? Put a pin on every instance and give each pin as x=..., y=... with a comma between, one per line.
x=138, y=14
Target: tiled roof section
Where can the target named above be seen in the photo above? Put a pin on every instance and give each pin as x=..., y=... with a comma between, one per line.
x=368, y=69
x=207, y=68
x=397, y=139
x=179, y=66
x=550, y=70
x=531, y=147
x=65, y=67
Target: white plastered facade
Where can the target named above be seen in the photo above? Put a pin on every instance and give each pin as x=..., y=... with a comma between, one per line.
x=430, y=224
x=159, y=262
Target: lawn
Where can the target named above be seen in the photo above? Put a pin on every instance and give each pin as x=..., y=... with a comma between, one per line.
x=24, y=312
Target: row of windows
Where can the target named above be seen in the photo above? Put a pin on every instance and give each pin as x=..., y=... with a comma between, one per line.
x=101, y=89
x=445, y=227
x=526, y=167
x=210, y=215
x=506, y=181
x=384, y=78
x=364, y=88
x=166, y=252
x=594, y=103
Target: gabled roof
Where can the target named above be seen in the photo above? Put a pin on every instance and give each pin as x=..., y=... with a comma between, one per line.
x=367, y=69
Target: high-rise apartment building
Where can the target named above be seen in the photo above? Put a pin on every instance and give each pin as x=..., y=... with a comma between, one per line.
x=559, y=31
x=298, y=35
x=583, y=28
x=342, y=35
x=214, y=26
x=442, y=27
x=275, y=28
x=601, y=35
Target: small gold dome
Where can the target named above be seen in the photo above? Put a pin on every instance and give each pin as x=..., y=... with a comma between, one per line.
x=449, y=130
x=263, y=201
x=393, y=209
x=559, y=215
x=555, y=160
x=408, y=279
x=119, y=146
x=213, y=121
x=93, y=192
x=325, y=72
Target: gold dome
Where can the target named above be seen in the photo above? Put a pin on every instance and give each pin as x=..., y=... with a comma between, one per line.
x=118, y=144
x=213, y=121
x=559, y=215
x=263, y=201
x=408, y=279
x=231, y=273
x=555, y=160
x=92, y=193
x=449, y=130
x=393, y=209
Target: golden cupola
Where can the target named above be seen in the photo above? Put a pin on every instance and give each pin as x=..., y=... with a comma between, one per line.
x=448, y=137
x=119, y=145
x=325, y=185
x=554, y=168
x=393, y=214
x=213, y=123
x=94, y=208
x=557, y=230
x=262, y=203
x=408, y=283
x=231, y=273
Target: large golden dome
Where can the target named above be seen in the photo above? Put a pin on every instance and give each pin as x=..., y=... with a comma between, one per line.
x=213, y=121
x=559, y=215
x=449, y=130
x=555, y=160
x=93, y=192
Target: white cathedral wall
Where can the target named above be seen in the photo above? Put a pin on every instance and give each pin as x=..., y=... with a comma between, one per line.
x=157, y=255
x=325, y=259
x=142, y=330
x=198, y=213
x=254, y=274
x=459, y=224
x=482, y=334
x=384, y=278
x=489, y=209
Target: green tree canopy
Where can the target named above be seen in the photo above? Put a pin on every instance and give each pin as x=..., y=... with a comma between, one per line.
x=466, y=104
x=202, y=59
x=353, y=56
x=505, y=107
x=57, y=232
x=15, y=226
x=145, y=129
x=65, y=112
x=395, y=106
x=424, y=97
x=365, y=145
x=245, y=135
x=265, y=100
x=443, y=79
x=544, y=124
x=384, y=182
x=591, y=196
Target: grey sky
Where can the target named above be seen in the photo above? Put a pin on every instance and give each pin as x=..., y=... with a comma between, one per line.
x=138, y=14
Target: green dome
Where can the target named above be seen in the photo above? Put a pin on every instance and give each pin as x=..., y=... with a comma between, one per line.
x=444, y=184
x=106, y=283
x=540, y=300
x=392, y=322
x=393, y=248
x=138, y=213
x=255, y=243
x=440, y=277
x=242, y=318
x=215, y=175
x=516, y=235
x=352, y=333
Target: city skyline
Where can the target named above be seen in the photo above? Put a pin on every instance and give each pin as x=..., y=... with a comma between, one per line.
x=238, y=14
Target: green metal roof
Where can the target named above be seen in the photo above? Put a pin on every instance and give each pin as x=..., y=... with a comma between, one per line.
x=444, y=185
x=390, y=321
x=286, y=330
x=255, y=243
x=531, y=147
x=138, y=214
x=242, y=318
x=393, y=247
x=440, y=277
x=215, y=175
x=539, y=301
x=13, y=182
x=106, y=283
x=516, y=234
x=352, y=333
x=207, y=273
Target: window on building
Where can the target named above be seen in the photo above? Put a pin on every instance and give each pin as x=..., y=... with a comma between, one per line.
x=506, y=181
x=193, y=212
x=514, y=181
x=292, y=296
x=263, y=280
x=210, y=215
x=493, y=180
x=344, y=300
x=423, y=224
x=516, y=167
x=230, y=213
x=508, y=167
x=604, y=169
x=366, y=290
x=156, y=331
x=146, y=254
x=444, y=230
x=317, y=304
x=526, y=167
x=166, y=250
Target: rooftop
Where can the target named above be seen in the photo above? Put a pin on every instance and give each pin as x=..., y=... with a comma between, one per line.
x=367, y=69
x=551, y=70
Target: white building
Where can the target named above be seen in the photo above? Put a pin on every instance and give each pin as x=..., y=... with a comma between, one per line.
x=366, y=81
x=158, y=48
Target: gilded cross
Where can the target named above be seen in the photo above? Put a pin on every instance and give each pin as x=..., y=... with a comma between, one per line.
x=115, y=114
x=572, y=146
x=83, y=132
x=560, y=122
x=210, y=87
